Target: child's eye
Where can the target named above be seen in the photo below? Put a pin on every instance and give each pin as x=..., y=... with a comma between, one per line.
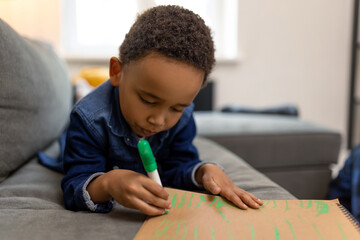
x=146, y=102
x=177, y=110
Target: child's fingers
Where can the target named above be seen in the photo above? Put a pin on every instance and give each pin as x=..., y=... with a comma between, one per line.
x=146, y=208
x=248, y=198
x=211, y=185
x=156, y=189
x=258, y=200
x=234, y=198
x=154, y=200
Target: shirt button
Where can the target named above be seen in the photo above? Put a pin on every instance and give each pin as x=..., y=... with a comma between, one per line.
x=128, y=139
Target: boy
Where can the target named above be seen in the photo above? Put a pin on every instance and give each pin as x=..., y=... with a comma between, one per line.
x=164, y=61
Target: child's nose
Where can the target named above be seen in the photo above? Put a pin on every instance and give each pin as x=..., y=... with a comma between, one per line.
x=157, y=120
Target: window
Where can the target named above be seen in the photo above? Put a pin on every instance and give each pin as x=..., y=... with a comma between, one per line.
x=96, y=28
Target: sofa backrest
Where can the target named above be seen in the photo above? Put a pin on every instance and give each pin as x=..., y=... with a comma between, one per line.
x=35, y=98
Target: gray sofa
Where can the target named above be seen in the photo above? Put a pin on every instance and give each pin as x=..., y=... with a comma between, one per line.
x=295, y=154
x=35, y=101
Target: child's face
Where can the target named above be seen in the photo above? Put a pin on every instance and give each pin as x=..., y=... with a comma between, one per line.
x=154, y=91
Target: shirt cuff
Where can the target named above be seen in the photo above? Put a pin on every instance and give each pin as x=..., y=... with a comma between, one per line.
x=103, y=207
x=196, y=167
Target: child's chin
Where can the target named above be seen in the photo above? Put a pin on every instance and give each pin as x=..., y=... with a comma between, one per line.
x=145, y=133
x=148, y=134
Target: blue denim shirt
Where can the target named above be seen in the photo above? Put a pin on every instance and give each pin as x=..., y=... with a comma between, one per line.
x=99, y=140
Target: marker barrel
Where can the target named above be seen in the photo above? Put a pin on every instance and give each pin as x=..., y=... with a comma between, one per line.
x=154, y=175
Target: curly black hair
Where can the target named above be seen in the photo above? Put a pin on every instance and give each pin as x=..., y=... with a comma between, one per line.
x=174, y=32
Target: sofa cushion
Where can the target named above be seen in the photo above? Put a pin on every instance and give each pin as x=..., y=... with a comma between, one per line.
x=35, y=98
x=31, y=201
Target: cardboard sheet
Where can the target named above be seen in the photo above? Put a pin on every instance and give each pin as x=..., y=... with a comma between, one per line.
x=203, y=216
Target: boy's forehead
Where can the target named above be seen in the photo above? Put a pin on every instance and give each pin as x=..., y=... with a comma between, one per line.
x=160, y=75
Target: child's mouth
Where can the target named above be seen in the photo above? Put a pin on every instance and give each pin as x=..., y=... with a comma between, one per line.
x=147, y=132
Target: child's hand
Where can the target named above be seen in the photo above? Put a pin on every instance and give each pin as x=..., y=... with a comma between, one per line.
x=132, y=190
x=217, y=182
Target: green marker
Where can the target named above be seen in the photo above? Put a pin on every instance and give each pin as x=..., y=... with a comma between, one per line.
x=148, y=160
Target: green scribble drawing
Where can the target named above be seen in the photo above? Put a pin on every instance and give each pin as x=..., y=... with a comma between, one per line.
x=182, y=200
x=264, y=215
x=202, y=199
x=181, y=230
x=159, y=232
x=185, y=232
x=229, y=233
x=287, y=206
x=322, y=207
x=189, y=205
x=265, y=204
x=223, y=216
x=252, y=232
x=342, y=231
x=177, y=230
x=219, y=204
x=291, y=228
x=317, y=231
x=212, y=233
x=309, y=204
x=215, y=198
x=173, y=201
x=166, y=212
x=277, y=233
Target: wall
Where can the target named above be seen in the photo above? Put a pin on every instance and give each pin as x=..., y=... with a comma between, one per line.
x=291, y=52
x=34, y=18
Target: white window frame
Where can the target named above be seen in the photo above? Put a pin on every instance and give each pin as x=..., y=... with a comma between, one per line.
x=224, y=30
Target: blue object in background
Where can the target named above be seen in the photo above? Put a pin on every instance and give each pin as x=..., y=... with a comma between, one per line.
x=285, y=110
x=55, y=164
x=346, y=186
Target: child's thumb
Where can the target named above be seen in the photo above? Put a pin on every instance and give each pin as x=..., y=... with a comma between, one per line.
x=212, y=186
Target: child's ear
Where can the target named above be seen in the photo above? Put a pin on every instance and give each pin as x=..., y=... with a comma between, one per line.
x=115, y=68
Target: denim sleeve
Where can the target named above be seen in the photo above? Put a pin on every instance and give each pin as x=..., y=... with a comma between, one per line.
x=178, y=169
x=84, y=159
